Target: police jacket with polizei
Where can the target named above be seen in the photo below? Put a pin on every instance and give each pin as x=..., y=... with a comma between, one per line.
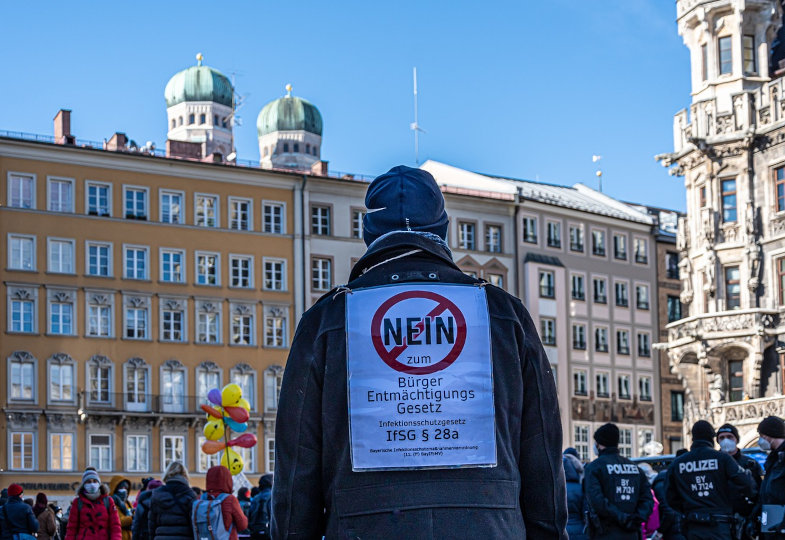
x=316, y=492
x=705, y=480
x=615, y=486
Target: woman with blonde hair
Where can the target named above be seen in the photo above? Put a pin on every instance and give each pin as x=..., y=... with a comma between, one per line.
x=170, y=506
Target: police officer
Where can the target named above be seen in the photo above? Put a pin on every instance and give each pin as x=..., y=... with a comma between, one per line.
x=618, y=494
x=702, y=486
x=772, y=490
x=728, y=439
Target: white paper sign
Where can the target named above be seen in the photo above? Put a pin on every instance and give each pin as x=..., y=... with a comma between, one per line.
x=420, y=377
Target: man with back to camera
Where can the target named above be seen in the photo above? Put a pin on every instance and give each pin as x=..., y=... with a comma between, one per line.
x=453, y=429
x=771, y=498
x=618, y=495
x=703, y=486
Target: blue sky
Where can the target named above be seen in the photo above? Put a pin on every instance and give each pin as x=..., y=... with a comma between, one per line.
x=521, y=88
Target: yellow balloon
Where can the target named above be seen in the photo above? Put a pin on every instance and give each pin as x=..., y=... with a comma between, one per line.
x=214, y=429
x=231, y=394
x=232, y=461
x=244, y=404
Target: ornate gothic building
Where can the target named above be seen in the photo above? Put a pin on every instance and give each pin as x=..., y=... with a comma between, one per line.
x=729, y=147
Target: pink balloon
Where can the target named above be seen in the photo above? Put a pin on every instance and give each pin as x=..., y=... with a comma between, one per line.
x=212, y=447
x=238, y=414
x=214, y=396
x=246, y=440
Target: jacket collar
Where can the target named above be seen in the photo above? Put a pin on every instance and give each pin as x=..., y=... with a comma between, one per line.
x=608, y=450
x=702, y=444
x=397, y=242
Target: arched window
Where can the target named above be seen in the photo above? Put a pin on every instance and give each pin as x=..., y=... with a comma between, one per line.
x=180, y=121
x=285, y=147
x=202, y=118
x=215, y=120
x=296, y=148
x=174, y=123
x=190, y=118
x=307, y=148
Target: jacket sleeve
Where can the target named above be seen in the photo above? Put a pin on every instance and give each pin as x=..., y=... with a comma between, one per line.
x=32, y=521
x=152, y=518
x=140, y=520
x=740, y=479
x=645, y=505
x=597, y=500
x=673, y=497
x=543, y=496
x=233, y=513
x=297, y=505
x=49, y=525
x=115, y=529
x=72, y=528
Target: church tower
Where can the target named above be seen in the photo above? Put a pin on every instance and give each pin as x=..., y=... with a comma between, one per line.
x=730, y=149
x=290, y=133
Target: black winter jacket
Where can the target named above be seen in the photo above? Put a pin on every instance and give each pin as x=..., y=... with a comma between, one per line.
x=139, y=526
x=670, y=520
x=16, y=517
x=316, y=492
x=170, y=511
x=772, y=490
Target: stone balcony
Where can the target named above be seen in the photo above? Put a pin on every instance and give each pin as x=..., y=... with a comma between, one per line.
x=722, y=325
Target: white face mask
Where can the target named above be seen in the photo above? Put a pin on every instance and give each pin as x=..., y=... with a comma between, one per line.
x=92, y=488
x=764, y=444
x=596, y=450
x=728, y=446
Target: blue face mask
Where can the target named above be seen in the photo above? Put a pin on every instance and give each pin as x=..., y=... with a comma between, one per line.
x=122, y=493
x=92, y=488
x=764, y=444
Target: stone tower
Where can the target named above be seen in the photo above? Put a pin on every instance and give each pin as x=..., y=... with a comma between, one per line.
x=290, y=133
x=730, y=148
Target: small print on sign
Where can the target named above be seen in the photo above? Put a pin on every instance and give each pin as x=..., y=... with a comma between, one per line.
x=420, y=377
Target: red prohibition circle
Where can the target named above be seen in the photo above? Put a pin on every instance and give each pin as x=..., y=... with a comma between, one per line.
x=389, y=357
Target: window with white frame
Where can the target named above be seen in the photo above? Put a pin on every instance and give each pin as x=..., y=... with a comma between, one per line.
x=60, y=195
x=135, y=258
x=644, y=388
x=620, y=247
x=581, y=441
x=172, y=209
x=22, y=377
x=547, y=284
x=529, y=232
x=206, y=210
x=172, y=319
x=601, y=381
x=600, y=290
x=61, y=312
x=61, y=256
x=241, y=271
x=623, y=386
x=21, y=252
x=172, y=265
x=466, y=235
x=173, y=375
x=493, y=238
x=135, y=203
x=554, y=234
x=21, y=191
x=99, y=315
x=208, y=322
x=100, y=452
x=625, y=442
x=22, y=451
x=207, y=268
x=240, y=214
x=206, y=460
x=578, y=291
x=273, y=216
x=622, y=296
x=580, y=386
x=548, y=331
x=321, y=273
x=601, y=339
x=98, y=199
x=579, y=337
x=208, y=376
x=172, y=449
x=357, y=223
x=273, y=377
x=137, y=453
x=137, y=384
x=244, y=376
x=496, y=280
x=275, y=274
x=641, y=251
x=136, y=321
x=61, y=451
x=622, y=341
x=22, y=309
x=99, y=259
x=644, y=344
x=242, y=325
x=270, y=454
x=321, y=220
x=576, y=238
x=99, y=380
x=642, y=296
x=61, y=381
x=598, y=243
x=275, y=327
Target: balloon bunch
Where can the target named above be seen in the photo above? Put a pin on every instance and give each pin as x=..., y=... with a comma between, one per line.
x=229, y=412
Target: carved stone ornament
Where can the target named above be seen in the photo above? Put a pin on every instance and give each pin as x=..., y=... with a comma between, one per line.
x=61, y=420
x=136, y=301
x=139, y=424
x=274, y=370
x=209, y=366
x=242, y=309
x=174, y=304
x=22, y=356
x=63, y=297
x=243, y=368
x=100, y=299
x=208, y=307
x=61, y=358
x=173, y=364
x=100, y=360
x=96, y=421
x=22, y=420
x=136, y=362
x=730, y=232
x=174, y=424
x=725, y=124
x=717, y=390
x=22, y=294
x=685, y=273
x=764, y=115
x=276, y=311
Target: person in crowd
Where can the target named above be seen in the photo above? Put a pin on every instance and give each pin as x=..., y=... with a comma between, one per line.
x=771, y=439
x=145, y=482
x=219, y=482
x=197, y=491
x=702, y=487
x=29, y=501
x=573, y=474
x=16, y=517
x=652, y=525
x=260, y=515
x=254, y=491
x=92, y=515
x=244, y=498
x=3, y=496
x=170, y=506
x=670, y=520
x=47, y=522
x=139, y=528
x=728, y=439
x=618, y=495
x=119, y=487
x=60, y=520
x=317, y=491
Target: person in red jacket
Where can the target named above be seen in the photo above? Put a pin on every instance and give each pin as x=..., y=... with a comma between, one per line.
x=93, y=515
x=219, y=480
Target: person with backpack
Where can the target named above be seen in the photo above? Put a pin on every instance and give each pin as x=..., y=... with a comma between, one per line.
x=217, y=514
x=17, y=521
x=259, y=516
x=170, y=506
x=93, y=515
x=139, y=529
x=119, y=487
x=244, y=498
x=47, y=523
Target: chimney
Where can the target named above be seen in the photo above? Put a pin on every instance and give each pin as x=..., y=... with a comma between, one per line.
x=63, y=127
x=117, y=142
x=319, y=168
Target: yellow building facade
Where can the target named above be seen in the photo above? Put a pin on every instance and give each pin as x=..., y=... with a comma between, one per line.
x=133, y=285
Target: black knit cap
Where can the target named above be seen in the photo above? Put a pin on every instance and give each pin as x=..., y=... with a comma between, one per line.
x=702, y=431
x=729, y=428
x=773, y=427
x=607, y=435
